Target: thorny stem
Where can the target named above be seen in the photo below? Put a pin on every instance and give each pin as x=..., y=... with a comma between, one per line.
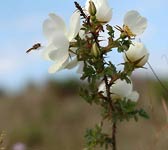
x=108, y=93
x=108, y=85
x=113, y=134
x=81, y=10
x=112, y=109
x=114, y=127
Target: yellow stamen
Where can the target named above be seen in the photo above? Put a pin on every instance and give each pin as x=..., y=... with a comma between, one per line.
x=128, y=31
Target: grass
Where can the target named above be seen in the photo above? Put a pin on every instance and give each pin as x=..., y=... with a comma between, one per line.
x=54, y=117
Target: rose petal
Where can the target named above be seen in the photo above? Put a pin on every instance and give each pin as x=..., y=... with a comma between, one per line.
x=134, y=96
x=135, y=22
x=60, y=40
x=52, y=25
x=135, y=52
x=101, y=6
x=106, y=16
x=80, y=67
x=121, y=88
x=102, y=88
x=73, y=63
x=57, y=48
x=74, y=25
x=58, y=54
x=58, y=65
x=47, y=50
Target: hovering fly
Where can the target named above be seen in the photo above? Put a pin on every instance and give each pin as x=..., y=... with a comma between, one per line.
x=34, y=47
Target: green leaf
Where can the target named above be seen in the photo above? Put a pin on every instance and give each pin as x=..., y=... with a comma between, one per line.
x=110, y=30
x=143, y=114
x=95, y=137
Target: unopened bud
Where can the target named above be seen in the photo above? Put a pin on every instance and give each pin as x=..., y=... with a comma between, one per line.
x=95, y=50
x=92, y=8
x=93, y=18
x=123, y=35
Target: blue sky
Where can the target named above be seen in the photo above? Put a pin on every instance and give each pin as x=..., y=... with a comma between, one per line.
x=21, y=27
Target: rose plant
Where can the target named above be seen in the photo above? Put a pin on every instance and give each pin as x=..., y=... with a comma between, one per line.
x=108, y=87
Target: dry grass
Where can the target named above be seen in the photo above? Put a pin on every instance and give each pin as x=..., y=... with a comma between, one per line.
x=54, y=118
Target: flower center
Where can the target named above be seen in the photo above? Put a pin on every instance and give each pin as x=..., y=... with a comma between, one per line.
x=128, y=31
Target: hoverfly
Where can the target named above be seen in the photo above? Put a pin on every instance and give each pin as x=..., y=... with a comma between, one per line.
x=34, y=47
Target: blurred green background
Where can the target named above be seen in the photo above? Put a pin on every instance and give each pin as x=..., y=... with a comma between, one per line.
x=54, y=117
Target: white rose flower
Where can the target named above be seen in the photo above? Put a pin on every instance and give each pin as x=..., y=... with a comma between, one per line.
x=120, y=89
x=58, y=37
x=104, y=12
x=134, y=23
x=137, y=51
